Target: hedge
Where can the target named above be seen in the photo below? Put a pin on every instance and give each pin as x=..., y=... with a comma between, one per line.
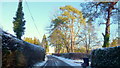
x=17, y=52
x=106, y=57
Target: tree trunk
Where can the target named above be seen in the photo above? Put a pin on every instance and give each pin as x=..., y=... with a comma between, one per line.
x=107, y=30
x=86, y=46
x=18, y=36
x=67, y=48
x=72, y=37
x=89, y=42
x=67, y=43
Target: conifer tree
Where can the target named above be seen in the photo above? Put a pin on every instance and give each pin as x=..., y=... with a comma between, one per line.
x=19, y=22
x=45, y=43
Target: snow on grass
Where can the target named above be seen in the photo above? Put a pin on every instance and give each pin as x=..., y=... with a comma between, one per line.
x=70, y=61
x=40, y=63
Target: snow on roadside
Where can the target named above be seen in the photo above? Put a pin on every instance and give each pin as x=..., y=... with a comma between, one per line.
x=40, y=63
x=70, y=61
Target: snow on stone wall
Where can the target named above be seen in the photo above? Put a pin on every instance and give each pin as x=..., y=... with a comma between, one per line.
x=106, y=57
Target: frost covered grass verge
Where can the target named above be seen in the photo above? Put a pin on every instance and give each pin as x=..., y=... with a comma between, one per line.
x=72, y=55
x=70, y=61
x=40, y=64
x=106, y=57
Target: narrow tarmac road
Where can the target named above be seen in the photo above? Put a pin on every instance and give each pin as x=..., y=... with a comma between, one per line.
x=55, y=63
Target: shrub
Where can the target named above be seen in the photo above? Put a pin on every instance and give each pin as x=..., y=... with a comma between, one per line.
x=105, y=57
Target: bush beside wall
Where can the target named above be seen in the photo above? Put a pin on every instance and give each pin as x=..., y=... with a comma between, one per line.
x=105, y=57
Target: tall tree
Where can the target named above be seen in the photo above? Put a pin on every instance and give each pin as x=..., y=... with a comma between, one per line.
x=32, y=40
x=36, y=41
x=114, y=42
x=74, y=17
x=88, y=36
x=69, y=23
x=45, y=43
x=56, y=39
x=58, y=24
x=104, y=10
x=19, y=22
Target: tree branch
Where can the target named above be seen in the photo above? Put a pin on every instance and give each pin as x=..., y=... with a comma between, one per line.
x=103, y=34
x=102, y=23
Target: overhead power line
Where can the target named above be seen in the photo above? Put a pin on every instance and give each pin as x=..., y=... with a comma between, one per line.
x=32, y=17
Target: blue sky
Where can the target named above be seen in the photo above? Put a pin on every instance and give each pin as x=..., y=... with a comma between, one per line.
x=42, y=13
